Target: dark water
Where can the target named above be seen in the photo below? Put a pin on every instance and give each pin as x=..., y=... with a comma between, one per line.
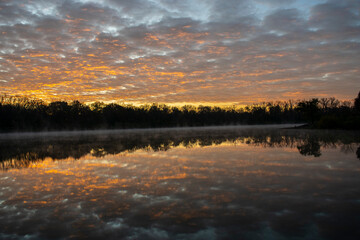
x=210, y=183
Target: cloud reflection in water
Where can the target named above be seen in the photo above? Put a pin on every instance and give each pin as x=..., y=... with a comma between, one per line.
x=251, y=187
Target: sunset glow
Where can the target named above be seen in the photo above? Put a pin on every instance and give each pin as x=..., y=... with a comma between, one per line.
x=180, y=52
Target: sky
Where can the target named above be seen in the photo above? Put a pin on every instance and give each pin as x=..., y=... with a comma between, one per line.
x=180, y=51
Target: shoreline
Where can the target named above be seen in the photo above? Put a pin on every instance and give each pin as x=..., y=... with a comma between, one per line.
x=8, y=135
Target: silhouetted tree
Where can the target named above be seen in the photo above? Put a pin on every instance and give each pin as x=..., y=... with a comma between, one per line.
x=310, y=109
x=357, y=103
x=22, y=114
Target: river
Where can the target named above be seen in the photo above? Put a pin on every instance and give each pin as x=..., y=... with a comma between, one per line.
x=260, y=182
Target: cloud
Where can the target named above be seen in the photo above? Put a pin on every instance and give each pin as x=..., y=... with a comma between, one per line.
x=275, y=2
x=332, y=16
x=286, y=20
x=178, y=51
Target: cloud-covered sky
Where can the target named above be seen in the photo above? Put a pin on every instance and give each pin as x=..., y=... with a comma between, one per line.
x=180, y=51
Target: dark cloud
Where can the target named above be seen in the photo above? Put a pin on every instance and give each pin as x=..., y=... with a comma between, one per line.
x=229, y=11
x=275, y=2
x=333, y=15
x=286, y=20
x=179, y=51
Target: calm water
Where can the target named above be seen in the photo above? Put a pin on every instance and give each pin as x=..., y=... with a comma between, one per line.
x=209, y=183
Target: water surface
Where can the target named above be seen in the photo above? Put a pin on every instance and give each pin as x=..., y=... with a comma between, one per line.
x=204, y=183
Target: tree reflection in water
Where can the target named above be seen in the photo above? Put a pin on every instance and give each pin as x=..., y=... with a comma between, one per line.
x=18, y=152
x=311, y=147
x=255, y=185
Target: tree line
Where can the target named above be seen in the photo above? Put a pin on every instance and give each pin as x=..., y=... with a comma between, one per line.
x=25, y=114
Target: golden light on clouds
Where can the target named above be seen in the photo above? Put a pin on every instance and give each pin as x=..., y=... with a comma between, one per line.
x=116, y=51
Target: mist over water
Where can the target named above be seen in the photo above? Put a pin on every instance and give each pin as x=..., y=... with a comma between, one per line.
x=205, y=183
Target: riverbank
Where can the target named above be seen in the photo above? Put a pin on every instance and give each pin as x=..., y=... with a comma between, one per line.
x=24, y=135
